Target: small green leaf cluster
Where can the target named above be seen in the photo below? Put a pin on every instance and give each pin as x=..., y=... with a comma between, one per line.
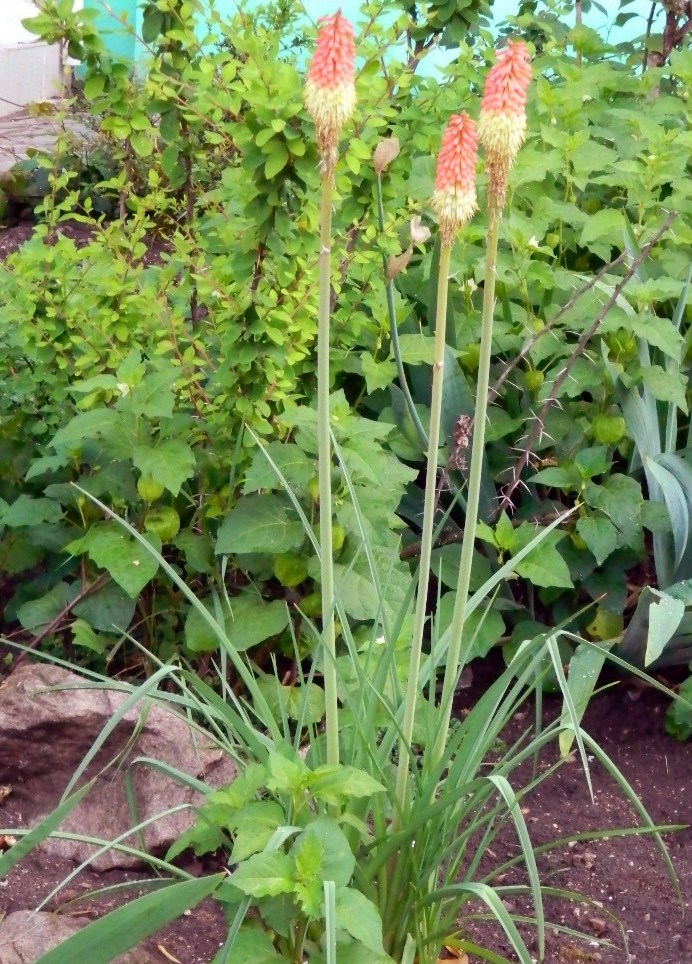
x=284, y=823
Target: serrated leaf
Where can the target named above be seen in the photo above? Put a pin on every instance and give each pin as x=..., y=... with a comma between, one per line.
x=253, y=620
x=360, y=918
x=336, y=784
x=113, y=549
x=265, y=875
x=289, y=459
x=259, y=523
x=600, y=536
x=25, y=511
x=666, y=386
x=153, y=397
x=254, y=946
x=254, y=826
x=169, y=462
x=337, y=861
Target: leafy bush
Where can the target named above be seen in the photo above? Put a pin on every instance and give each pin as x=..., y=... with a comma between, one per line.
x=230, y=178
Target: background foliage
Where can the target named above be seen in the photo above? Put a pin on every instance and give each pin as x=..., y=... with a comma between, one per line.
x=151, y=364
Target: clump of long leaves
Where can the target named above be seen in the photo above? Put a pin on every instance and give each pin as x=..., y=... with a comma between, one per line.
x=365, y=838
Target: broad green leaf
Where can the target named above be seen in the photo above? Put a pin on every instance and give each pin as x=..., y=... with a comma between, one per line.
x=600, y=536
x=200, y=637
x=108, y=609
x=289, y=459
x=253, y=620
x=25, y=511
x=288, y=775
x=377, y=374
x=127, y=561
x=359, y=917
x=664, y=619
x=103, y=940
x=252, y=946
x=544, y=566
x=265, y=875
x=484, y=628
x=336, y=784
x=308, y=854
x=559, y=477
x=356, y=593
x=169, y=462
x=153, y=397
x=603, y=232
x=99, y=422
x=620, y=498
x=276, y=161
x=336, y=860
x=36, y=614
x=260, y=523
x=666, y=386
x=304, y=703
x=254, y=826
x=417, y=349
x=84, y=635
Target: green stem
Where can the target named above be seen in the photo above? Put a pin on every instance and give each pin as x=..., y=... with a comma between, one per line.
x=394, y=334
x=456, y=657
x=426, y=538
x=324, y=448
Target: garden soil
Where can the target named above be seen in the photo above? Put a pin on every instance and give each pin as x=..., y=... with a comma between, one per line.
x=629, y=911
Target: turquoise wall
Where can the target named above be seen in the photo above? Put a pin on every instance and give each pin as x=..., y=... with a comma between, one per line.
x=121, y=26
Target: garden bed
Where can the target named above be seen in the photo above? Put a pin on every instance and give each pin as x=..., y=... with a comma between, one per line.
x=623, y=879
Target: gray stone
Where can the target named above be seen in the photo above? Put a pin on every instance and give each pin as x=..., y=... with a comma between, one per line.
x=46, y=732
x=25, y=936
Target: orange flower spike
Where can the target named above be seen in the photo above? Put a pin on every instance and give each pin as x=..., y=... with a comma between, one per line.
x=454, y=197
x=502, y=124
x=330, y=94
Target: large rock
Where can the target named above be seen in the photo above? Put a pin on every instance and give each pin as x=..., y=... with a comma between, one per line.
x=26, y=936
x=50, y=718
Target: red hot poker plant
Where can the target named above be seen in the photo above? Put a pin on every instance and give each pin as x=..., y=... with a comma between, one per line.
x=502, y=124
x=454, y=198
x=330, y=94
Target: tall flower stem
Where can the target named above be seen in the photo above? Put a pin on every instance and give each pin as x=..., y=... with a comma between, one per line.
x=427, y=536
x=458, y=651
x=324, y=448
x=394, y=334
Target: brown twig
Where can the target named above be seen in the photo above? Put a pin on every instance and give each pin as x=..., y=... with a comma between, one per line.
x=494, y=389
x=97, y=584
x=537, y=430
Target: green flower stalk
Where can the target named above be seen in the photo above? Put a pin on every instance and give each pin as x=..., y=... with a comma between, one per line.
x=501, y=131
x=455, y=202
x=330, y=99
